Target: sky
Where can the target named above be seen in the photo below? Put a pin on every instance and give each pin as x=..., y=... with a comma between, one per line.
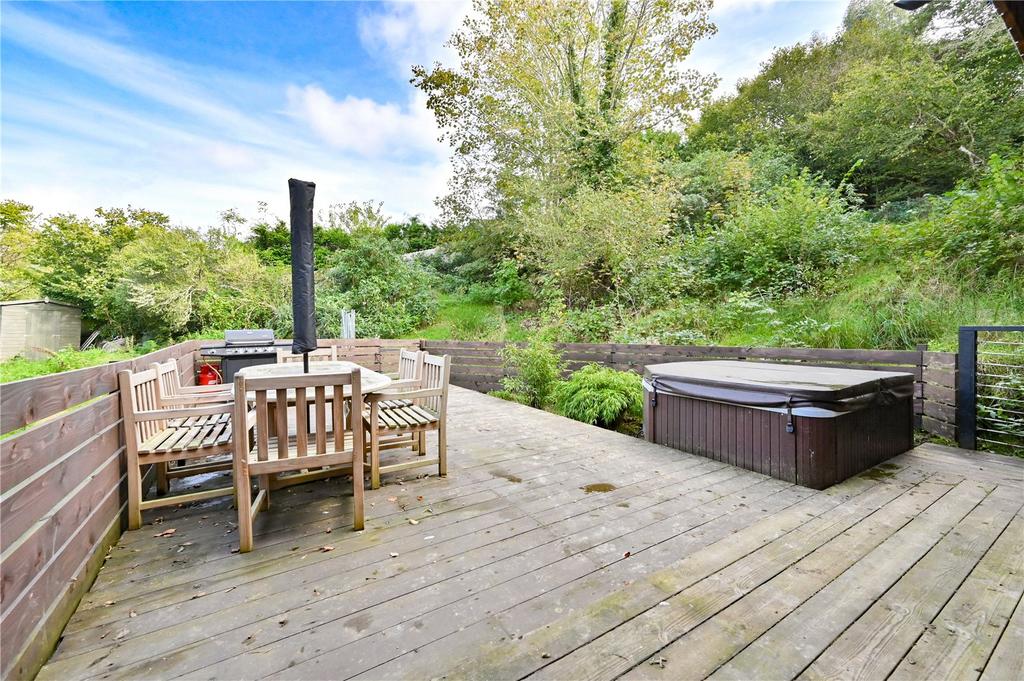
x=192, y=108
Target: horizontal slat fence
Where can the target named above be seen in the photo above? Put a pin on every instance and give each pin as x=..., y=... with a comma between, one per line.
x=478, y=365
x=62, y=495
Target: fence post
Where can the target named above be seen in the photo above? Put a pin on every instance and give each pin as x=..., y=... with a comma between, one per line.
x=966, y=389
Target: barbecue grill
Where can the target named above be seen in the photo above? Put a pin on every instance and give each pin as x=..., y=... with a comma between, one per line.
x=244, y=348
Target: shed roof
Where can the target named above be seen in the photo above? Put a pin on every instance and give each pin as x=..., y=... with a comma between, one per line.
x=47, y=301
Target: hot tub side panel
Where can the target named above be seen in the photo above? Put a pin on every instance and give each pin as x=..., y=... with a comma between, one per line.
x=870, y=436
x=754, y=439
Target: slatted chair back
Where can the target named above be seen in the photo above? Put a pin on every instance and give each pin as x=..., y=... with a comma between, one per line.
x=319, y=426
x=140, y=391
x=410, y=364
x=436, y=374
x=329, y=354
x=167, y=374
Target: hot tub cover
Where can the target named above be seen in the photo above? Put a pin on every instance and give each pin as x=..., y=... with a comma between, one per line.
x=770, y=385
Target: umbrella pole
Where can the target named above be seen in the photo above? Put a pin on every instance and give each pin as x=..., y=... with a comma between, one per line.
x=305, y=362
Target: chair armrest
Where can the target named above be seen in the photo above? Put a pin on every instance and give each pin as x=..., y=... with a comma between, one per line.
x=182, y=413
x=404, y=394
x=216, y=388
x=404, y=383
x=186, y=400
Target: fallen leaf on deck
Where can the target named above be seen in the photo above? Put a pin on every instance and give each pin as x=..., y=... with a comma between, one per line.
x=627, y=554
x=658, y=662
x=283, y=621
x=198, y=595
x=132, y=613
x=545, y=656
x=121, y=634
x=234, y=550
x=429, y=536
x=419, y=498
x=328, y=531
x=188, y=543
x=413, y=521
x=394, y=555
x=166, y=533
x=107, y=604
x=392, y=498
x=325, y=549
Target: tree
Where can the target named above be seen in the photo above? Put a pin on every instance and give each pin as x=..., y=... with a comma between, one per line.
x=17, y=239
x=549, y=95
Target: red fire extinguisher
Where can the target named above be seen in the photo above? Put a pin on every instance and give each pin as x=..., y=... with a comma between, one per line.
x=208, y=375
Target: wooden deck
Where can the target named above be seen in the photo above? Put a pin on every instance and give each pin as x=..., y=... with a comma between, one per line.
x=513, y=567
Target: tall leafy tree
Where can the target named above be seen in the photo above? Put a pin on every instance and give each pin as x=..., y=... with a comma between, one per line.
x=550, y=95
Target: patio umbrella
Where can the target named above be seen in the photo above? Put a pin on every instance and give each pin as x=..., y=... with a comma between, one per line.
x=303, y=302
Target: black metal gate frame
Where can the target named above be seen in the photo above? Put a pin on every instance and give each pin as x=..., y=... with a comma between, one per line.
x=967, y=385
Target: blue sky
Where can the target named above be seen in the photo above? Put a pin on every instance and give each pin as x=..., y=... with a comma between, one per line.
x=191, y=108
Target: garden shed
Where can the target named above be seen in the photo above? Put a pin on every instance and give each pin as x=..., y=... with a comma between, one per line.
x=31, y=327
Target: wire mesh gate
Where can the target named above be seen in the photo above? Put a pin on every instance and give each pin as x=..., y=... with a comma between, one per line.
x=990, y=394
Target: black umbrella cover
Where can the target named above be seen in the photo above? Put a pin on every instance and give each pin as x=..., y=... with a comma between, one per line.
x=303, y=302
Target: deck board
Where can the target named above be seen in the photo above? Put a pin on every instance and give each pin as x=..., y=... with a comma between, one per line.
x=688, y=568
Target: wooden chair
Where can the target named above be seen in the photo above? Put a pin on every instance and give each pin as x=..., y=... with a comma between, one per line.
x=428, y=411
x=173, y=394
x=270, y=455
x=171, y=387
x=319, y=355
x=159, y=430
x=410, y=370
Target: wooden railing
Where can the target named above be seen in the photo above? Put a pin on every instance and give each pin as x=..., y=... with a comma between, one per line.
x=63, y=489
x=62, y=467
x=478, y=365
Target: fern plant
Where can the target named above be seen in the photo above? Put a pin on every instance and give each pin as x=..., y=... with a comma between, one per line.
x=602, y=396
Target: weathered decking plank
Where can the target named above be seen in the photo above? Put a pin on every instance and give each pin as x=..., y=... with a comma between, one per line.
x=514, y=569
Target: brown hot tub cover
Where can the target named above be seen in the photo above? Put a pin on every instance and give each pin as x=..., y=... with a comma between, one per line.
x=812, y=391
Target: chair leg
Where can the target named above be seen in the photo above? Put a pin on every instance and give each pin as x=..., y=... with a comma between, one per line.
x=421, y=442
x=264, y=482
x=243, y=487
x=358, y=519
x=162, y=484
x=374, y=459
x=134, y=494
x=442, y=450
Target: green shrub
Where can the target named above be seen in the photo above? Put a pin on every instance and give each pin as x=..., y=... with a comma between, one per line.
x=601, y=396
x=532, y=372
x=792, y=239
x=391, y=297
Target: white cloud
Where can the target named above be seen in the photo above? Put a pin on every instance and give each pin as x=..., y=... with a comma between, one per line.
x=408, y=33
x=365, y=126
x=192, y=142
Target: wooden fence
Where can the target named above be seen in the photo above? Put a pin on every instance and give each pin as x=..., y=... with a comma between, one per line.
x=63, y=490
x=478, y=365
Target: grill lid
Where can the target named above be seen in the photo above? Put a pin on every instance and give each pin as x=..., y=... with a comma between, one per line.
x=249, y=337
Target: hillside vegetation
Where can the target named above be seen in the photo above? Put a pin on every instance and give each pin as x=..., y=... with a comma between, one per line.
x=862, y=190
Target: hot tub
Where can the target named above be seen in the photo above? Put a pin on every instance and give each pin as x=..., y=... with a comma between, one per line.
x=811, y=425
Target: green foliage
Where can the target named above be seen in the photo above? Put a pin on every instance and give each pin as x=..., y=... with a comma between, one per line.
x=981, y=230
x=532, y=372
x=600, y=396
x=548, y=97
x=390, y=296
x=68, y=359
x=17, y=239
x=794, y=238
x=412, y=235
x=464, y=319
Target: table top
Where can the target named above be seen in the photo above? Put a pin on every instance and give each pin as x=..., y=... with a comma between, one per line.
x=371, y=380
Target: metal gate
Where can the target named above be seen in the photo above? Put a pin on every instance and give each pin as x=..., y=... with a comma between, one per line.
x=990, y=393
